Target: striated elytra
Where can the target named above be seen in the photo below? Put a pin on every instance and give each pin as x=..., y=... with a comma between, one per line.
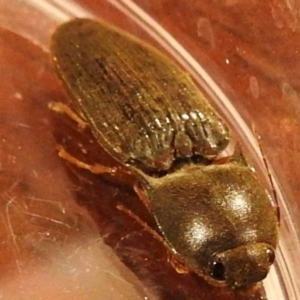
x=148, y=114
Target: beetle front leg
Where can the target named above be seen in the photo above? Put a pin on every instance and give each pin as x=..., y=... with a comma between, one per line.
x=62, y=108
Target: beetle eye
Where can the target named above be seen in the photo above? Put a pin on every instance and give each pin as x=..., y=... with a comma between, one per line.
x=217, y=270
x=271, y=256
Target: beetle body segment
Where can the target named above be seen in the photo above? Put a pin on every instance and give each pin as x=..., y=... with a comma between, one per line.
x=141, y=107
x=217, y=214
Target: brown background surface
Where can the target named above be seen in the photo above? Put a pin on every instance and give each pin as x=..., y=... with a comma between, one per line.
x=55, y=216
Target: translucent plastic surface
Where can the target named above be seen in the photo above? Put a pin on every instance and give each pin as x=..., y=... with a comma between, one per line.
x=61, y=231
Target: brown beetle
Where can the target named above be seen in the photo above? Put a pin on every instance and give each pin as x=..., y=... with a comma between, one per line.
x=148, y=114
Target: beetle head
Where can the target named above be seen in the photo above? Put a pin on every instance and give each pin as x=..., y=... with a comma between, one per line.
x=241, y=266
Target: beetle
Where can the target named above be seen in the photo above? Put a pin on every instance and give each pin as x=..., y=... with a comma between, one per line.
x=147, y=113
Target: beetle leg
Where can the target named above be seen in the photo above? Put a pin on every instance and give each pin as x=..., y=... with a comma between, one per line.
x=177, y=263
x=143, y=224
x=65, y=109
x=235, y=155
x=96, y=168
x=222, y=160
x=139, y=191
x=173, y=259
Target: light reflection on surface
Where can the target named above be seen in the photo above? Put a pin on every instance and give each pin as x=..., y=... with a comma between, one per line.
x=237, y=202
